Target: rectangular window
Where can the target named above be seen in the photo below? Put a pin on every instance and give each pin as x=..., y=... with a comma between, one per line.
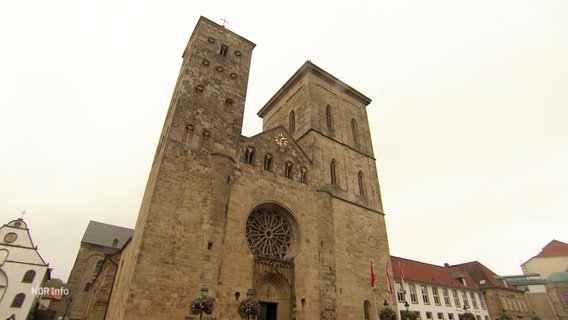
x=429, y=315
x=413, y=297
x=456, y=298
x=436, y=295
x=473, y=300
x=440, y=316
x=450, y=316
x=482, y=302
x=477, y=317
x=446, y=297
x=465, y=300
x=399, y=294
x=425, y=297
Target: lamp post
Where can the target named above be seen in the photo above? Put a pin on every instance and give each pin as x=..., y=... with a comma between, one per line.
x=406, y=305
x=464, y=308
x=385, y=304
x=203, y=291
x=250, y=294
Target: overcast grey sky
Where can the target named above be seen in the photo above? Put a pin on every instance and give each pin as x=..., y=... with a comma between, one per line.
x=469, y=115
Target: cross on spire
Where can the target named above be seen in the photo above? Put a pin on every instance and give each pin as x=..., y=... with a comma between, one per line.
x=23, y=212
x=224, y=20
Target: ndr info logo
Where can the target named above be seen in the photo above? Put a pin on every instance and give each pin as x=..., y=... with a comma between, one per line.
x=40, y=291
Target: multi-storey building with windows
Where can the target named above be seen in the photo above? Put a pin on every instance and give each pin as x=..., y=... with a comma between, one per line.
x=436, y=292
x=502, y=298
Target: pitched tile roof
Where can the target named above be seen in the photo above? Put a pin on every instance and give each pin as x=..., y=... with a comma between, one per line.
x=483, y=277
x=554, y=248
x=431, y=274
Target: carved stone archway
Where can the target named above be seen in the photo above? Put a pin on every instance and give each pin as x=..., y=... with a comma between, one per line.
x=271, y=234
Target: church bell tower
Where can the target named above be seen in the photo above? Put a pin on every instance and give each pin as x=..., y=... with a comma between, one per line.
x=178, y=237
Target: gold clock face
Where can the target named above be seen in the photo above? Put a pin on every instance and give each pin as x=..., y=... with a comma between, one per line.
x=10, y=237
x=280, y=139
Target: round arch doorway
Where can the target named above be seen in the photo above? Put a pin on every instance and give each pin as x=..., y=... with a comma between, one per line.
x=274, y=294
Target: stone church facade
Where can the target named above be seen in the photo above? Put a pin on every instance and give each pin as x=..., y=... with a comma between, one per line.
x=293, y=213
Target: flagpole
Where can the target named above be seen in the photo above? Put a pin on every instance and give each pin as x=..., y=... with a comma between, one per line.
x=375, y=299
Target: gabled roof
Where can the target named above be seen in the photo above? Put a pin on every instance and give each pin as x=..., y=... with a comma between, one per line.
x=554, y=248
x=103, y=234
x=483, y=276
x=431, y=274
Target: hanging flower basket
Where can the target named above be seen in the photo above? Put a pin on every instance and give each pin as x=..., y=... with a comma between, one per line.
x=203, y=304
x=249, y=307
x=387, y=314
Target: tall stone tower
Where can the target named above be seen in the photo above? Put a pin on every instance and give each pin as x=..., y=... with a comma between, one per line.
x=293, y=213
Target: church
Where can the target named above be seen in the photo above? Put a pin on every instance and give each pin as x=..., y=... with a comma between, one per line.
x=292, y=215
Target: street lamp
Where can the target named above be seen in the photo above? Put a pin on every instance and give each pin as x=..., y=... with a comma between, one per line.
x=406, y=305
x=203, y=291
x=385, y=304
x=464, y=308
x=250, y=294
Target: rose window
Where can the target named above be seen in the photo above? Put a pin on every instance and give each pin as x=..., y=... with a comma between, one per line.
x=268, y=233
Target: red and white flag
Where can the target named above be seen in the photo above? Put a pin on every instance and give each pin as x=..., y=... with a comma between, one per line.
x=389, y=285
x=372, y=276
x=402, y=278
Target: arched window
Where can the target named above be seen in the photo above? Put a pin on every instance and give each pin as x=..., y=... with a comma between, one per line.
x=304, y=175
x=206, y=137
x=18, y=300
x=333, y=172
x=267, y=161
x=223, y=50
x=29, y=276
x=249, y=154
x=366, y=310
x=288, y=169
x=328, y=117
x=360, y=182
x=354, y=131
x=292, y=121
x=98, y=266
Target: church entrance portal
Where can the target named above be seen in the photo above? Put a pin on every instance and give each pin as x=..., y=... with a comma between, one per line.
x=268, y=311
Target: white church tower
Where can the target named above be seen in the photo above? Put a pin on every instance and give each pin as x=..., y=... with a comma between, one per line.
x=22, y=271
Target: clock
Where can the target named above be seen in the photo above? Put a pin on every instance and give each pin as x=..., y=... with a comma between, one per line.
x=280, y=140
x=10, y=237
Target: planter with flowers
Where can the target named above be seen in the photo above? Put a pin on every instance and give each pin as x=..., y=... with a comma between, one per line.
x=249, y=307
x=202, y=304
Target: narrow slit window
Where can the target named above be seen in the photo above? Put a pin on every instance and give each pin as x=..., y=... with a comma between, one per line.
x=292, y=121
x=224, y=50
x=333, y=172
x=328, y=117
x=267, y=162
x=354, y=131
x=304, y=175
x=360, y=182
x=288, y=169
